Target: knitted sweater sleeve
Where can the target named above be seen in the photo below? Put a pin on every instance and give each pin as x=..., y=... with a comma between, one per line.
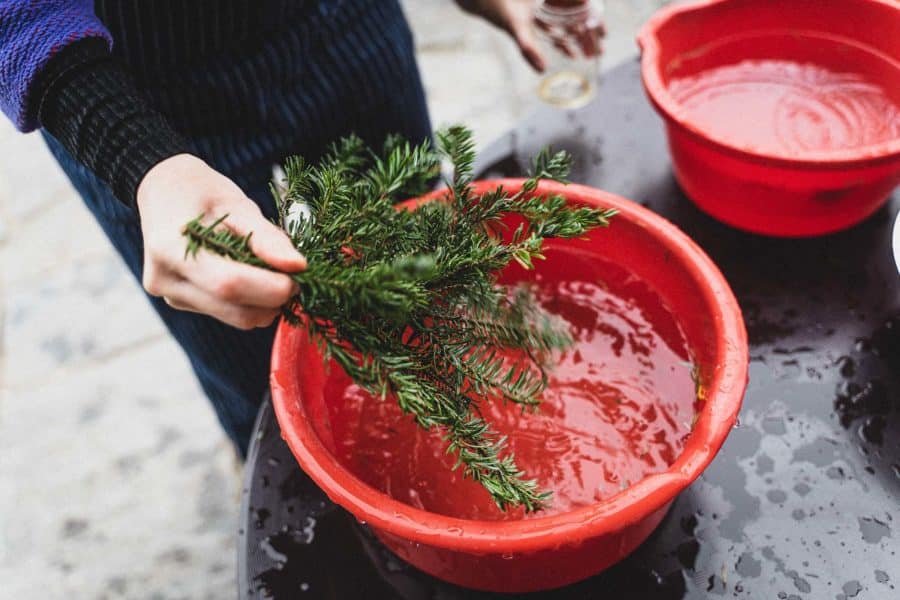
x=31, y=32
x=56, y=71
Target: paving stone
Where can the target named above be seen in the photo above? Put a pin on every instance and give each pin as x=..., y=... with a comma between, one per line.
x=99, y=491
x=50, y=238
x=90, y=310
x=29, y=182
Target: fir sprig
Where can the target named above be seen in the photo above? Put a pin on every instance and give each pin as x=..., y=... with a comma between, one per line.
x=407, y=301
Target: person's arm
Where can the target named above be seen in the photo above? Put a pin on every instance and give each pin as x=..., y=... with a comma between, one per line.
x=57, y=72
x=31, y=33
x=86, y=99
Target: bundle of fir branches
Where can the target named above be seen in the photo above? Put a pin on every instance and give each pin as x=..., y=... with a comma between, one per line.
x=408, y=303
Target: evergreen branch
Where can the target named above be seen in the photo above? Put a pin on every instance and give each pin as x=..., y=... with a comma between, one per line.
x=406, y=170
x=221, y=241
x=554, y=166
x=457, y=144
x=407, y=302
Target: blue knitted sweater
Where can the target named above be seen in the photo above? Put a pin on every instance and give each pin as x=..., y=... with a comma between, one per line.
x=30, y=34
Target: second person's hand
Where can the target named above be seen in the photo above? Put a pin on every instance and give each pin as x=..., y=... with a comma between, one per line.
x=515, y=18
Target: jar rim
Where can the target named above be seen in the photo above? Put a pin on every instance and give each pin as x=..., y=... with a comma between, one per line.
x=543, y=7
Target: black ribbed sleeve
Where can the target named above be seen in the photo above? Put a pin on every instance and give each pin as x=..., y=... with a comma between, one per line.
x=88, y=101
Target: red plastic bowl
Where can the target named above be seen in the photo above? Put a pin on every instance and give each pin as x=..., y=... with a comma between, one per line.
x=544, y=552
x=784, y=150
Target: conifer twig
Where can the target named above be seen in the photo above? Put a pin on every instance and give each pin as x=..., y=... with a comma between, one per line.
x=407, y=301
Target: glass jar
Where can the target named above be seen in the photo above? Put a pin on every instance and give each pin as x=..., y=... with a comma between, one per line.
x=570, y=33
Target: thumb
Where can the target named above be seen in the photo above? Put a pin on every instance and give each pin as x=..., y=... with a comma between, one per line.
x=270, y=243
x=533, y=56
x=526, y=38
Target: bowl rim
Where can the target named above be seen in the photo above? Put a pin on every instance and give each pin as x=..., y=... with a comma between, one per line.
x=895, y=242
x=725, y=392
x=658, y=92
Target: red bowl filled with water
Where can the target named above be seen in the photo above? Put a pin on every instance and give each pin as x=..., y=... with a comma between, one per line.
x=633, y=414
x=783, y=118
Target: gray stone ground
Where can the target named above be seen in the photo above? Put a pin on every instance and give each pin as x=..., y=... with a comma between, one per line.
x=115, y=481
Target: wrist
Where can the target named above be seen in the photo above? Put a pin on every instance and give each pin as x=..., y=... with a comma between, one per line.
x=88, y=101
x=158, y=178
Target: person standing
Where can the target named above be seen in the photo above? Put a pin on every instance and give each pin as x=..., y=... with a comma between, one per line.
x=160, y=111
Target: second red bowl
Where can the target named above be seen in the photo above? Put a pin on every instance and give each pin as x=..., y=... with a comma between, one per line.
x=783, y=118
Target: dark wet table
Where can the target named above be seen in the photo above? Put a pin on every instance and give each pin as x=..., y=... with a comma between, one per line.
x=802, y=502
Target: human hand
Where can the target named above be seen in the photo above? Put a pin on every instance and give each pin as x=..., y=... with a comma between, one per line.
x=515, y=18
x=177, y=190
x=519, y=19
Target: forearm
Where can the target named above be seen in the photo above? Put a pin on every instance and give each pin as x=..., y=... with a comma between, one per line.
x=88, y=101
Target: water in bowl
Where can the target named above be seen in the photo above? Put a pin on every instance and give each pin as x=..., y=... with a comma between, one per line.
x=619, y=405
x=790, y=108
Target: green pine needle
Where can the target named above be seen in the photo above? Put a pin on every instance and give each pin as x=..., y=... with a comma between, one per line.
x=407, y=302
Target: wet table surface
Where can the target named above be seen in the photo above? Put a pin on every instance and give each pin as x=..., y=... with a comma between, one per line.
x=803, y=501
